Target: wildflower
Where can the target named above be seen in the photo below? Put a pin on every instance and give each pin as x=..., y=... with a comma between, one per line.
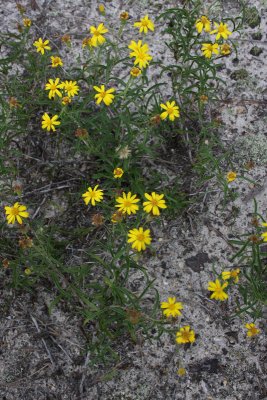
x=5, y=263
x=56, y=61
x=71, y=88
x=252, y=330
x=209, y=48
x=66, y=100
x=97, y=219
x=225, y=49
x=81, y=133
x=255, y=239
x=140, y=52
x=264, y=236
x=217, y=289
x=97, y=33
x=123, y=152
x=87, y=42
x=135, y=72
x=25, y=243
x=124, y=16
x=203, y=23
x=171, y=111
x=171, y=307
x=127, y=203
x=144, y=24
x=139, y=238
x=133, y=315
x=53, y=87
x=13, y=102
x=66, y=39
x=117, y=217
x=49, y=123
x=203, y=98
x=16, y=213
x=155, y=120
x=27, y=271
x=105, y=95
x=101, y=8
x=185, y=335
x=41, y=46
x=93, y=195
x=233, y=274
x=27, y=22
x=118, y=172
x=181, y=371
x=155, y=201
x=231, y=176
x=221, y=30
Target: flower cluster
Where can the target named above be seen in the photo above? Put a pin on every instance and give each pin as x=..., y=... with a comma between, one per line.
x=172, y=308
x=222, y=33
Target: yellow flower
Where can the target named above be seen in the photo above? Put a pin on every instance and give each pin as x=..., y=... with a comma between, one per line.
x=135, y=72
x=49, y=123
x=221, y=30
x=16, y=213
x=101, y=8
x=93, y=195
x=171, y=307
x=203, y=23
x=66, y=100
x=53, y=87
x=71, y=88
x=231, y=176
x=124, y=16
x=56, y=61
x=105, y=95
x=144, y=24
x=264, y=236
x=27, y=271
x=140, y=52
x=41, y=46
x=209, y=48
x=127, y=203
x=233, y=274
x=252, y=330
x=87, y=42
x=217, y=289
x=155, y=201
x=171, y=111
x=185, y=335
x=225, y=49
x=139, y=238
x=118, y=172
x=97, y=33
x=27, y=22
x=181, y=371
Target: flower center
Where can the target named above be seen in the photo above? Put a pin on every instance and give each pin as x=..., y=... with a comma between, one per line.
x=103, y=94
x=127, y=203
x=96, y=33
x=186, y=335
x=171, y=306
x=154, y=202
x=140, y=237
x=204, y=20
x=14, y=211
x=221, y=29
x=145, y=23
x=169, y=111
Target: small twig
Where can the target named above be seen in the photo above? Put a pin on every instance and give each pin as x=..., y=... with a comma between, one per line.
x=44, y=343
